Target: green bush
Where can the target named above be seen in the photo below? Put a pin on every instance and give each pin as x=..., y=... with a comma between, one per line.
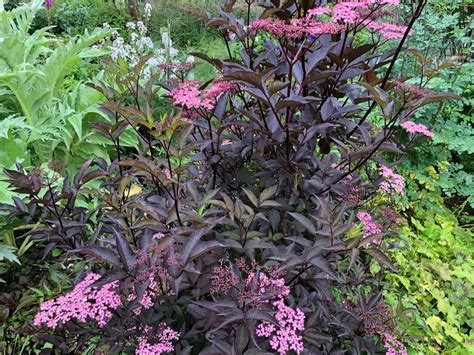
x=185, y=21
x=73, y=17
x=446, y=63
x=435, y=277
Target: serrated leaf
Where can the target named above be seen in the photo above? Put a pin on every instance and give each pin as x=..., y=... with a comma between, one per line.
x=8, y=253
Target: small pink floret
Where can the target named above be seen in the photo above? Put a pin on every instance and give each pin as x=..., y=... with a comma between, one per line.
x=370, y=227
x=323, y=10
x=83, y=303
x=296, y=28
x=189, y=96
x=157, y=343
x=393, y=182
x=286, y=336
x=413, y=127
x=394, y=347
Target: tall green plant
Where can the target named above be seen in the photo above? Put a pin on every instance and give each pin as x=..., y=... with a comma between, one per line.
x=43, y=114
x=34, y=66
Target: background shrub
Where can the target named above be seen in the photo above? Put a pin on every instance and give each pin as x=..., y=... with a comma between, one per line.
x=435, y=279
x=445, y=60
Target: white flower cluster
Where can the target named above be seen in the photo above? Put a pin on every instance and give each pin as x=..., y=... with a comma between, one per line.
x=141, y=44
x=147, y=10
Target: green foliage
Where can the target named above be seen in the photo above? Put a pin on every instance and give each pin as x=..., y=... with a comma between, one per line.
x=435, y=277
x=27, y=285
x=451, y=151
x=213, y=47
x=186, y=21
x=34, y=67
x=44, y=114
x=8, y=253
x=448, y=27
x=76, y=16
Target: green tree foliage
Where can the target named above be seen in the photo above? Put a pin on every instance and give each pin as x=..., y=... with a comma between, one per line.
x=75, y=16
x=444, y=38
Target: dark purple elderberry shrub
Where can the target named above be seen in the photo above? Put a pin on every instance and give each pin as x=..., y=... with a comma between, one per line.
x=249, y=219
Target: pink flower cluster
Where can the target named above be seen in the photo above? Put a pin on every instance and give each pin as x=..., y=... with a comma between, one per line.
x=370, y=227
x=147, y=299
x=394, y=347
x=393, y=182
x=222, y=279
x=82, y=303
x=323, y=10
x=379, y=320
x=284, y=337
x=353, y=12
x=414, y=90
x=188, y=94
x=217, y=89
x=385, y=2
x=347, y=11
x=261, y=286
x=296, y=27
x=264, y=288
x=158, y=236
x=344, y=12
x=153, y=343
x=388, y=30
x=413, y=127
x=352, y=192
x=268, y=287
x=153, y=265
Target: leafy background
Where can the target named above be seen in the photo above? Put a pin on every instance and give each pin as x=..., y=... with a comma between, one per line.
x=434, y=254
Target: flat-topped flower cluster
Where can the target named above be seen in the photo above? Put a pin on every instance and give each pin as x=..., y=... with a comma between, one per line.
x=335, y=19
x=263, y=288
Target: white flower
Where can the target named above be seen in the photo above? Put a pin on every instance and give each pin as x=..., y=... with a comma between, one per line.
x=141, y=27
x=154, y=61
x=173, y=52
x=134, y=37
x=147, y=10
x=140, y=45
x=158, y=58
x=119, y=49
x=146, y=41
x=166, y=40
